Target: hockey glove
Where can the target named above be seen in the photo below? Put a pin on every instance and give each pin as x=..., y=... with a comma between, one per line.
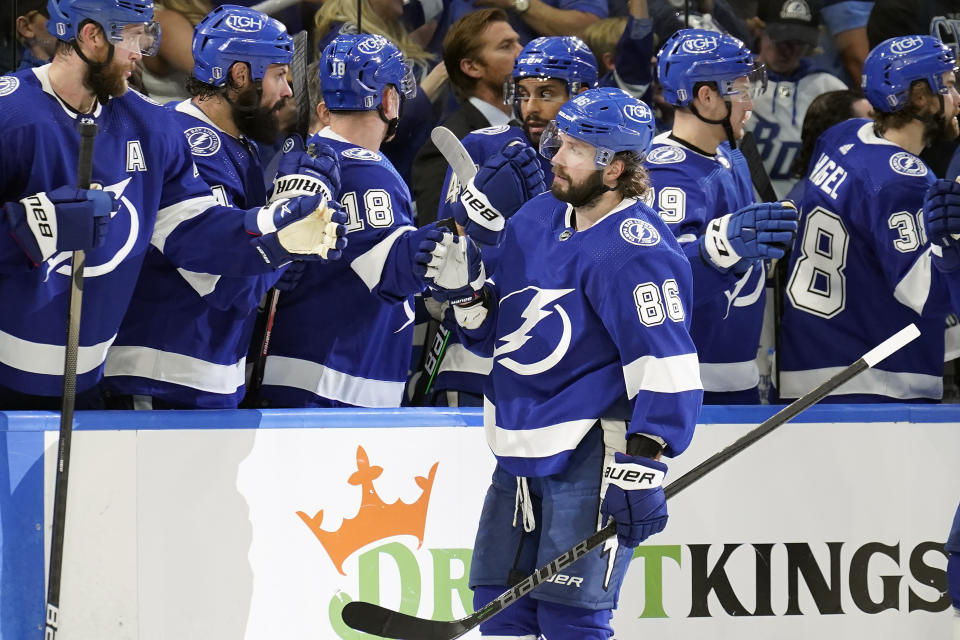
x=634, y=497
x=449, y=265
x=757, y=231
x=303, y=172
x=65, y=219
x=503, y=184
x=304, y=228
x=291, y=276
x=941, y=218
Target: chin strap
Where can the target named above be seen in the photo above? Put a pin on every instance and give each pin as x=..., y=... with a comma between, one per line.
x=392, y=123
x=724, y=122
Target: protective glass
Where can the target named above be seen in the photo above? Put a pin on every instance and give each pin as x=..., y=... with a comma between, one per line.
x=577, y=152
x=139, y=37
x=408, y=84
x=947, y=81
x=747, y=87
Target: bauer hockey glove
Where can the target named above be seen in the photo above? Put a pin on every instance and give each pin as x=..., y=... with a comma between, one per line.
x=941, y=219
x=304, y=228
x=634, y=497
x=65, y=219
x=449, y=265
x=303, y=172
x=503, y=184
x=757, y=231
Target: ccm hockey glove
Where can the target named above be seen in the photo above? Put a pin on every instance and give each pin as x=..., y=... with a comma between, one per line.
x=503, y=184
x=303, y=172
x=450, y=266
x=634, y=497
x=941, y=219
x=65, y=219
x=303, y=228
x=757, y=231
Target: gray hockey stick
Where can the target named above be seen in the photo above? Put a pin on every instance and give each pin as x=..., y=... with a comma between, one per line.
x=383, y=622
x=88, y=130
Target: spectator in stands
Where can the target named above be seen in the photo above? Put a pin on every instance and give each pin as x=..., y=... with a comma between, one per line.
x=846, y=22
x=790, y=34
x=632, y=63
x=37, y=44
x=478, y=54
x=383, y=17
x=165, y=75
x=826, y=110
x=602, y=37
x=669, y=16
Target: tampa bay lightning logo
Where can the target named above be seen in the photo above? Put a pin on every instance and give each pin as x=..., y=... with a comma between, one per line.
x=544, y=334
x=492, y=131
x=203, y=141
x=666, y=155
x=8, y=84
x=906, y=45
x=123, y=231
x=357, y=153
x=639, y=232
x=372, y=44
x=907, y=164
x=700, y=44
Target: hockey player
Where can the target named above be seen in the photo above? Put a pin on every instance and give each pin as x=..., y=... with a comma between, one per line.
x=184, y=340
x=547, y=73
x=861, y=266
x=156, y=198
x=595, y=375
x=702, y=190
x=343, y=337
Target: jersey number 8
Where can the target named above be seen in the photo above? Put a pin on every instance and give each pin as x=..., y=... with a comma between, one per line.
x=376, y=206
x=653, y=307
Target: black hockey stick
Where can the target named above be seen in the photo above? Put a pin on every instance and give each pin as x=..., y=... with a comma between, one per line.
x=88, y=130
x=383, y=622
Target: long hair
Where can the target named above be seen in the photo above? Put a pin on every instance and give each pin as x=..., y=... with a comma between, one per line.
x=634, y=182
x=334, y=11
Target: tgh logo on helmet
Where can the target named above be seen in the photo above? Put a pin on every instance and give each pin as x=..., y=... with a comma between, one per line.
x=704, y=44
x=248, y=24
x=638, y=113
x=906, y=45
x=371, y=45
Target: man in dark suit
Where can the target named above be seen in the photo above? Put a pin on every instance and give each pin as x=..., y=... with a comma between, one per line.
x=478, y=53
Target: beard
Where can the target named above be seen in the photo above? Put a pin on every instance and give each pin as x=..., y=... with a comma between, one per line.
x=580, y=195
x=106, y=80
x=254, y=120
x=937, y=127
x=534, y=138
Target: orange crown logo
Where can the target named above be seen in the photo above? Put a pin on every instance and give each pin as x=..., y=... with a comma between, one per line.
x=376, y=519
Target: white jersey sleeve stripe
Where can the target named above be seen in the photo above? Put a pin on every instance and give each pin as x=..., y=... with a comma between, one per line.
x=729, y=376
x=535, y=442
x=914, y=289
x=175, y=368
x=671, y=374
x=330, y=383
x=169, y=217
x=369, y=266
x=202, y=283
x=894, y=384
x=47, y=359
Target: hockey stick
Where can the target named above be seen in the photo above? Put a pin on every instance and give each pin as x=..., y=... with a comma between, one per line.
x=383, y=622
x=88, y=130
x=298, y=69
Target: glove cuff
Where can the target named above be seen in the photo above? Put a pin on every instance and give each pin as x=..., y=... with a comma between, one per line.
x=717, y=244
x=634, y=473
x=479, y=209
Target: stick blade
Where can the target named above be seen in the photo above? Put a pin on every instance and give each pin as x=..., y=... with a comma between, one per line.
x=382, y=622
x=453, y=151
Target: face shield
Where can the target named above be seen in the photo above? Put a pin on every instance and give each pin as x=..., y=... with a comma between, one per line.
x=408, y=84
x=577, y=152
x=746, y=87
x=137, y=37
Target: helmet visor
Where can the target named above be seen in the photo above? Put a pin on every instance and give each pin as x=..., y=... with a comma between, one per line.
x=747, y=87
x=138, y=37
x=408, y=84
x=577, y=152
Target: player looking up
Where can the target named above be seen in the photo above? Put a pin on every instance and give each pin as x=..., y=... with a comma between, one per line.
x=861, y=267
x=343, y=337
x=184, y=340
x=586, y=317
x=151, y=196
x=702, y=190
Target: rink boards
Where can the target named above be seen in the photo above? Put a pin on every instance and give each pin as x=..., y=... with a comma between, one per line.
x=261, y=525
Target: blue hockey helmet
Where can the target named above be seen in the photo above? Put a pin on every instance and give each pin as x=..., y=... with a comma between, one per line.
x=126, y=23
x=231, y=33
x=354, y=69
x=894, y=64
x=608, y=118
x=697, y=55
x=565, y=58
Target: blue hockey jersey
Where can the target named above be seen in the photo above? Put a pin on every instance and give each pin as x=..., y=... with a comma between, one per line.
x=141, y=156
x=186, y=334
x=343, y=336
x=691, y=188
x=861, y=270
x=585, y=326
